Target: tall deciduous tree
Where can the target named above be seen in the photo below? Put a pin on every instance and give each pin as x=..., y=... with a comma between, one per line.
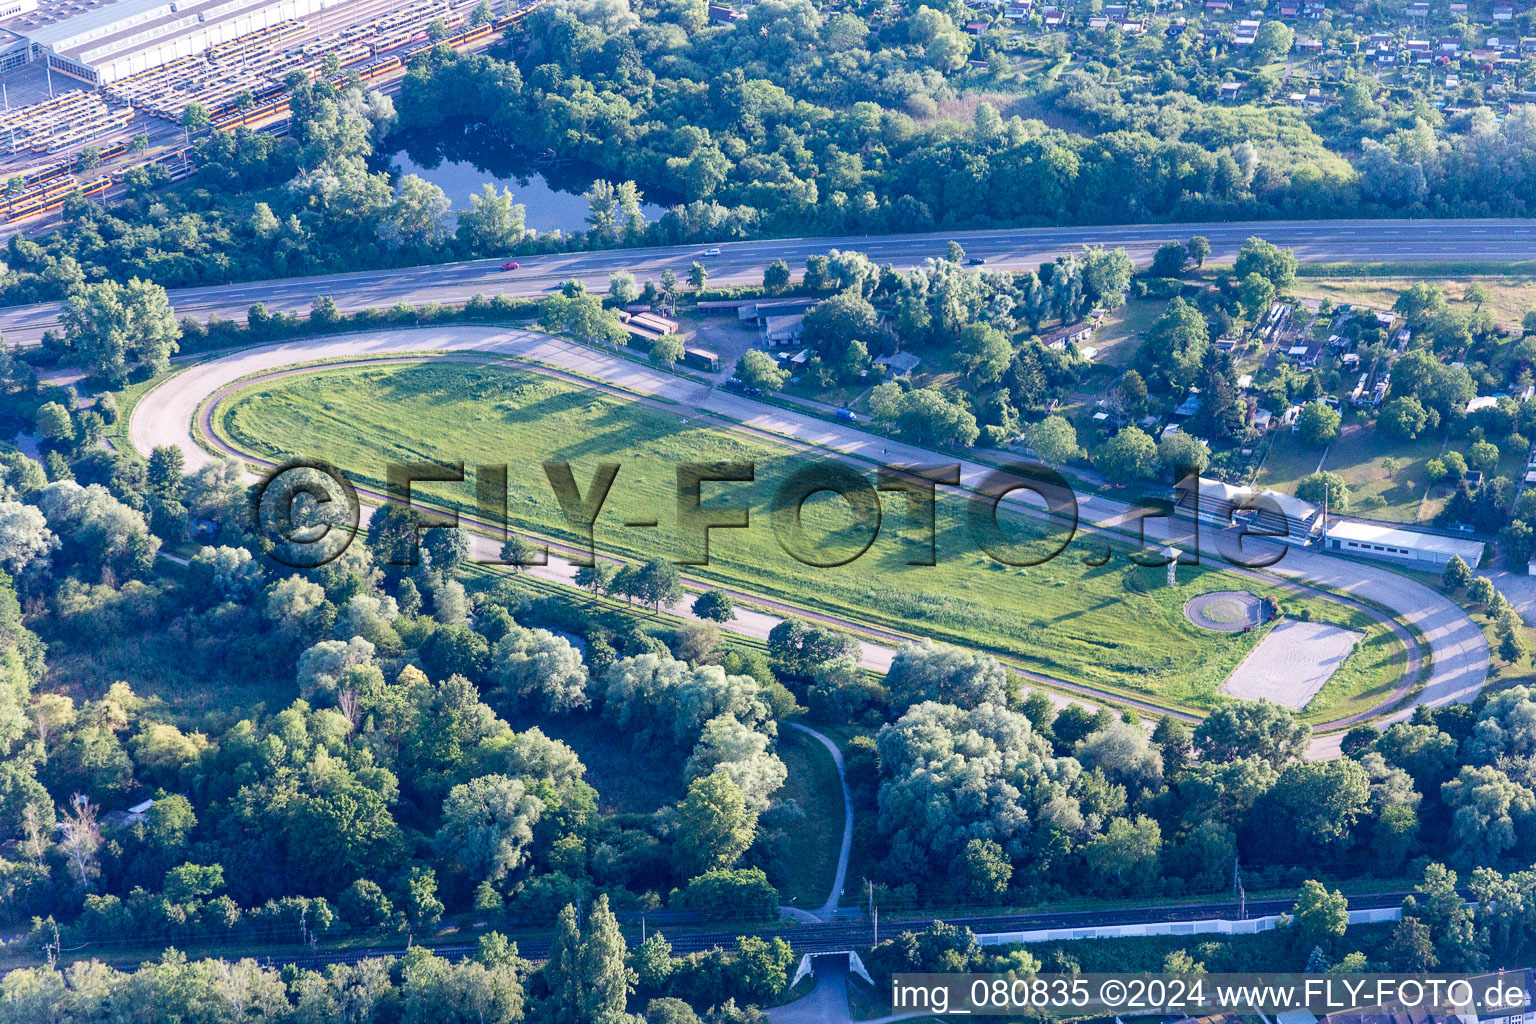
x=714, y=827
x=488, y=825
x=493, y=223
x=606, y=979
x=109, y=328
x=1246, y=728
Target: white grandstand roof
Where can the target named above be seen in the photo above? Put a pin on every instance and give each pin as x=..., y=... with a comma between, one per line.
x=1292, y=506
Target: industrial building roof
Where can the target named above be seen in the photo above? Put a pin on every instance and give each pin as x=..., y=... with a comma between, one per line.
x=102, y=21
x=1370, y=533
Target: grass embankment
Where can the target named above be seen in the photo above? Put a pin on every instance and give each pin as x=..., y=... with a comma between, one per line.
x=1115, y=626
x=804, y=875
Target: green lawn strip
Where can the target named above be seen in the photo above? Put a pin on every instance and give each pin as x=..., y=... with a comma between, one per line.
x=376, y=416
x=127, y=398
x=1420, y=269
x=804, y=877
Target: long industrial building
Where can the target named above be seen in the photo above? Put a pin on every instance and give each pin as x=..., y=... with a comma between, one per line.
x=122, y=39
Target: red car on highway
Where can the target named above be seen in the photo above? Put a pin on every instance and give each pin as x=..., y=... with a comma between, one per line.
x=511, y=265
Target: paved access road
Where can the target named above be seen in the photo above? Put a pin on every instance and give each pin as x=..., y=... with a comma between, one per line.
x=165, y=416
x=744, y=262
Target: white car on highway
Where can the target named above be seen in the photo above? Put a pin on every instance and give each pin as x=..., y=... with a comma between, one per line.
x=710, y=252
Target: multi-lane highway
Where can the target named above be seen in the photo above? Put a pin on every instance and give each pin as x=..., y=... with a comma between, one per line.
x=742, y=262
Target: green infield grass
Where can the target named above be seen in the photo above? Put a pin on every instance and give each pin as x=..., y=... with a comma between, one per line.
x=1116, y=627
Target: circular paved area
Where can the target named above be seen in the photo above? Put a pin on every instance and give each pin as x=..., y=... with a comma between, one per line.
x=1225, y=611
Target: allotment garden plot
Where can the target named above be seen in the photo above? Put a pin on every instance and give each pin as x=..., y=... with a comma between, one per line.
x=1115, y=627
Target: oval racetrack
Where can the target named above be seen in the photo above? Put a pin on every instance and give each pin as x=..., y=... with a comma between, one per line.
x=166, y=415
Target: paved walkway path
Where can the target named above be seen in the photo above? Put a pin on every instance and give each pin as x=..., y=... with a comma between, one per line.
x=166, y=415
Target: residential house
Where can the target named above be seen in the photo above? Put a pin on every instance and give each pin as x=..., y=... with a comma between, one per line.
x=784, y=329
x=1058, y=338
x=1191, y=404
x=1231, y=90
x=759, y=310
x=132, y=816
x=899, y=364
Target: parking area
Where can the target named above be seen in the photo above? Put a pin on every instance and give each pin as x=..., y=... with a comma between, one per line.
x=1292, y=663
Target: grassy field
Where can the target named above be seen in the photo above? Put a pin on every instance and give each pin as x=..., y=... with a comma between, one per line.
x=1118, y=337
x=1513, y=295
x=1357, y=456
x=1116, y=626
x=1289, y=460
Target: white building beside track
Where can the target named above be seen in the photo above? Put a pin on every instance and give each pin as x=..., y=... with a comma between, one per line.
x=1427, y=551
